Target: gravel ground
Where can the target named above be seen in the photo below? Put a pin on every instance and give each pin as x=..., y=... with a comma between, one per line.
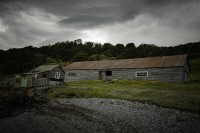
x=55, y=118
x=138, y=117
x=100, y=115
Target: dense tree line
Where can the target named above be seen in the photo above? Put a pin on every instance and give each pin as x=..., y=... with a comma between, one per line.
x=24, y=59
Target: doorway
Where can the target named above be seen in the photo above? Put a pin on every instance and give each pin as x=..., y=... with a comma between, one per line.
x=101, y=75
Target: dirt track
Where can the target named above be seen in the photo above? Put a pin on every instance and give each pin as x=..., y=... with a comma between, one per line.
x=100, y=115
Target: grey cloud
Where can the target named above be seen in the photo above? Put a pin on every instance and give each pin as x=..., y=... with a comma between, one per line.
x=87, y=21
x=74, y=16
x=120, y=10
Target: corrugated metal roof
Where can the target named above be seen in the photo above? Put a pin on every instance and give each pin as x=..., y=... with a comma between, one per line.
x=150, y=62
x=44, y=68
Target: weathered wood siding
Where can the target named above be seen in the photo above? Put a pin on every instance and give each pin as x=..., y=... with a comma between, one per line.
x=161, y=74
x=57, y=69
x=171, y=74
x=41, y=76
x=186, y=72
x=60, y=80
x=50, y=76
x=41, y=82
x=81, y=75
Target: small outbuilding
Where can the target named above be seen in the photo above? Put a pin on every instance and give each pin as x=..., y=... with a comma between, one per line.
x=166, y=68
x=25, y=80
x=49, y=75
x=19, y=80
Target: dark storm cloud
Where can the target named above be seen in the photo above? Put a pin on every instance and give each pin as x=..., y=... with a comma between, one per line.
x=117, y=8
x=24, y=22
x=86, y=21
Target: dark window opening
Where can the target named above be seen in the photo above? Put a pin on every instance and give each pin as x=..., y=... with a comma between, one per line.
x=108, y=73
x=44, y=75
x=72, y=74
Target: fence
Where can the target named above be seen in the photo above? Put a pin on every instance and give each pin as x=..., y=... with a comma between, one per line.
x=41, y=82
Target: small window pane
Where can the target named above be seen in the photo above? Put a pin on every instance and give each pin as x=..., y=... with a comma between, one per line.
x=142, y=74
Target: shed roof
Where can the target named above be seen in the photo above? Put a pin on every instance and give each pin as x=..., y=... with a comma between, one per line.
x=44, y=68
x=150, y=62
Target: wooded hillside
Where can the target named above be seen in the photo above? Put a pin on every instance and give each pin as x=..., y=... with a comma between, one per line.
x=18, y=60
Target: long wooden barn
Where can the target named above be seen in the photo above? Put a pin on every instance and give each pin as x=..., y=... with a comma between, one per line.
x=167, y=68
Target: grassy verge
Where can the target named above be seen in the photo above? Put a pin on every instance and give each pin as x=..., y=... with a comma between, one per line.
x=182, y=96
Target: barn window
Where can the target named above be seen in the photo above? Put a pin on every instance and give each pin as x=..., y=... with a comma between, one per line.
x=108, y=73
x=142, y=74
x=57, y=75
x=72, y=74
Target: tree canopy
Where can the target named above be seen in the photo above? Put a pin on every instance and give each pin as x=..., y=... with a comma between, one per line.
x=18, y=60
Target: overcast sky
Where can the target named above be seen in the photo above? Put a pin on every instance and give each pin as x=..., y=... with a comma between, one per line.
x=43, y=22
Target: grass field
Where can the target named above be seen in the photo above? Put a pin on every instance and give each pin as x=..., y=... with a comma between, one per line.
x=181, y=96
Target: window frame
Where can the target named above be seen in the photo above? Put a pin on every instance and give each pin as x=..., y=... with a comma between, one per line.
x=141, y=76
x=57, y=75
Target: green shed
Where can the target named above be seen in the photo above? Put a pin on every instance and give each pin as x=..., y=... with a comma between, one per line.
x=25, y=80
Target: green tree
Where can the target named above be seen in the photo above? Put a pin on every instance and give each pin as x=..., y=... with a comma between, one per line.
x=88, y=48
x=118, y=50
x=98, y=57
x=129, y=51
x=108, y=49
x=80, y=57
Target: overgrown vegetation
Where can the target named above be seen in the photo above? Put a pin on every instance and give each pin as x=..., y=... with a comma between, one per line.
x=175, y=95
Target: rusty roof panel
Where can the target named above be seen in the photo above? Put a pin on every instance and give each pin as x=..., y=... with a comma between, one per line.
x=150, y=62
